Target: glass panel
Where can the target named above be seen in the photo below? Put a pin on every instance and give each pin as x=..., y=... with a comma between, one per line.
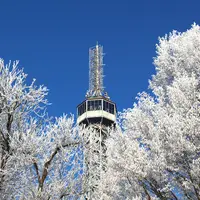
x=108, y=109
x=107, y=106
x=104, y=105
x=90, y=105
x=82, y=109
x=99, y=105
x=79, y=111
x=96, y=105
x=112, y=108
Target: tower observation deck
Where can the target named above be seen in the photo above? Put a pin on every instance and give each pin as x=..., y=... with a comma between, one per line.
x=97, y=107
x=98, y=113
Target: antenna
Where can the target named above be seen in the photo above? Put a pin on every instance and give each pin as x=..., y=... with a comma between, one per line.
x=96, y=88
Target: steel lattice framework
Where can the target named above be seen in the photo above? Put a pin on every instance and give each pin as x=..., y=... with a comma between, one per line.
x=96, y=71
x=95, y=159
x=98, y=114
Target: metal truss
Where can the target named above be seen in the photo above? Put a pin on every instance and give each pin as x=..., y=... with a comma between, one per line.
x=96, y=71
x=95, y=159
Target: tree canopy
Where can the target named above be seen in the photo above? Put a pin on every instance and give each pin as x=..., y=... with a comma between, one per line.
x=152, y=153
x=156, y=156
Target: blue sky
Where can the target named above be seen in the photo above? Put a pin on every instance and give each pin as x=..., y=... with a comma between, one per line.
x=51, y=39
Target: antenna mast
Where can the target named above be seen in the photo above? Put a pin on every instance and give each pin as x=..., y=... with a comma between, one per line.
x=96, y=88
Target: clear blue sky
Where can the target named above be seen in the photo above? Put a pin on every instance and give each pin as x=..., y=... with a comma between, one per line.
x=51, y=40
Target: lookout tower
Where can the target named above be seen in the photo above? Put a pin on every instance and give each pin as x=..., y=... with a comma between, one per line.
x=98, y=113
x=97, y=107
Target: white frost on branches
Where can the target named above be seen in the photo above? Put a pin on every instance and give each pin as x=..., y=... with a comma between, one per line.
x=157, y=155
x=39, y=158
x=153, y=153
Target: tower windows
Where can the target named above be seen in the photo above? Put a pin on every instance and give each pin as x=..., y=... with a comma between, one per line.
x=108, y=107
x=93, y=105
x=82, y=109
x=90, y=105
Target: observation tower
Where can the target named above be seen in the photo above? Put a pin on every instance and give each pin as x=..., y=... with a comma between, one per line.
x=98, y=113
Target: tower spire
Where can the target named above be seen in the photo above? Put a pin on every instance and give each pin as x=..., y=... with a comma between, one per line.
x=96, y=88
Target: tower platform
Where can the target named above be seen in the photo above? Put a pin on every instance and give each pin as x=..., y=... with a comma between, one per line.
x=96, y=110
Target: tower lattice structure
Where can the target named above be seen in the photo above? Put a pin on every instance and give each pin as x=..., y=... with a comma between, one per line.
x=98, y=113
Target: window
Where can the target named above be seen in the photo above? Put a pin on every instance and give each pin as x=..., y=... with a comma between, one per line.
x=99, y=105
x=90, y=105
x=94, y=105
x=111, y=108
x=108, y=107
x=104, y=105
x=81, y=109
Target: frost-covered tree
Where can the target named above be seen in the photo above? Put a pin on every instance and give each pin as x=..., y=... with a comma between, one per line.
x=17, y=102
x=157, y=153
x=154, y=153
x=46, y=163
x=40, y=158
